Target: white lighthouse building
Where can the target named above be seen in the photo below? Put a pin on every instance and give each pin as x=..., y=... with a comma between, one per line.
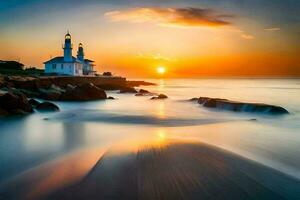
x=68, y=64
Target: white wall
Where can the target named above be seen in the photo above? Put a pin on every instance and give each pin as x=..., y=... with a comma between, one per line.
x=74, y=69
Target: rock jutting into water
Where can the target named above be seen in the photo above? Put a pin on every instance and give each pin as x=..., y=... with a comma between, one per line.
x=225, y=104
x=11, y=104
x=143, y=92
x=84, y=92
x=160, y=96
x=47, y=106
x=57, y=88
x=126, y=89
x=34, y=102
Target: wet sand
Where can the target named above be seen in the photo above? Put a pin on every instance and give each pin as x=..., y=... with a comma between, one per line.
x=179, y=170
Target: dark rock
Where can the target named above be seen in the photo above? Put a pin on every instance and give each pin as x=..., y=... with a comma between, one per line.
x=28, y=83
x=236, y=106
x=194, y=99
x=49, y=95
x=107, y=74
x=70, y=87
x=84, y=92
x=160, y=96
x=29, y=93
x=3, y=112
x=54, y=87
x=52, y=93
x=2, y=81
x=33, y=102
x=47, y=106
x=14, y=103
x=143, y=91
x=110, y=98
x=138, y=83
x=128, y=90
x=202, y=100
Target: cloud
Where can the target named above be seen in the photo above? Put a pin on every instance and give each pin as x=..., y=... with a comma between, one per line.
x=272, y=29
x=155, y=56
x=242, y=33
x=247, y=36
x=187, y=17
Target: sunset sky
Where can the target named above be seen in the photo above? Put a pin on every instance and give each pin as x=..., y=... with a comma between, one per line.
x=191, y=38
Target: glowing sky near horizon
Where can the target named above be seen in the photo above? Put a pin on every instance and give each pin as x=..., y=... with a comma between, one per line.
x=131, y=38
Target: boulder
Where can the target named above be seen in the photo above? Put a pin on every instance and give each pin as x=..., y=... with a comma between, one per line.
x=143, y=91
x=194, y=99
x=128, y=90
x=33, y=102
x=14, y=103
x=51, y=95
x=84, y=92
x=47, y=106
x=3, y=112
x=70, y=87
x=110, y=98
x=225, y=104
x=160, y=96
x=28, y=83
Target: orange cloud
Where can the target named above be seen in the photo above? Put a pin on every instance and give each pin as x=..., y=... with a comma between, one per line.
x=186, y=17
x=272, y=29
x=247, y=36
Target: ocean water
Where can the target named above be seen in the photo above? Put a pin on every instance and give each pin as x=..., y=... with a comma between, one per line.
x=73, y=139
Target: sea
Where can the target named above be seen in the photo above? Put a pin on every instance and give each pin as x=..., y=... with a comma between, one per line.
x=82, y=130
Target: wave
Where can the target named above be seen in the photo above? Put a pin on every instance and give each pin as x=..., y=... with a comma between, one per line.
x=107, y=117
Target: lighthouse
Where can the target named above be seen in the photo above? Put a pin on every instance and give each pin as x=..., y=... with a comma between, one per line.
x=80, y=53
x=68, y=48
x=69, y=65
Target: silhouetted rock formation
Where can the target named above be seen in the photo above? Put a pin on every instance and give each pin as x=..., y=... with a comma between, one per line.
x=225, y=104
x=84, y=92
x=143, y=92
x=161, y=96
x=14, y=104
x=47, y=106
x=33, y=102
x=128, y=90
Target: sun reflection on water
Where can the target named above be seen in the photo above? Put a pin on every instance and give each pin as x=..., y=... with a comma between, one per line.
x=161, y=110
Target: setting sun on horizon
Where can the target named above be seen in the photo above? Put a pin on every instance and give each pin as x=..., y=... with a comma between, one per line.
x=161, y=70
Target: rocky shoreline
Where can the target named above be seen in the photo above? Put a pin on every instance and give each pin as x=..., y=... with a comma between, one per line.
x=16, y=90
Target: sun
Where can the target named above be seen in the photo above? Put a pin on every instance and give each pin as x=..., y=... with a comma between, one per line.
x=161, y=70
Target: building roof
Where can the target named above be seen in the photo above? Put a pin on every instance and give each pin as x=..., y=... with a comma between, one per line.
x=60, y=59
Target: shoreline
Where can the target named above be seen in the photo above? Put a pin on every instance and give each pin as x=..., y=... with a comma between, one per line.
x=170, y=169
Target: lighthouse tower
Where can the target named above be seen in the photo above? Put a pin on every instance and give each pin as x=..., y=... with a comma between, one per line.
x=80, y=53
x=68, y=48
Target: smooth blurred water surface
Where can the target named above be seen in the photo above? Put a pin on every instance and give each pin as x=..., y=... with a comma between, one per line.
x=31, y=141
